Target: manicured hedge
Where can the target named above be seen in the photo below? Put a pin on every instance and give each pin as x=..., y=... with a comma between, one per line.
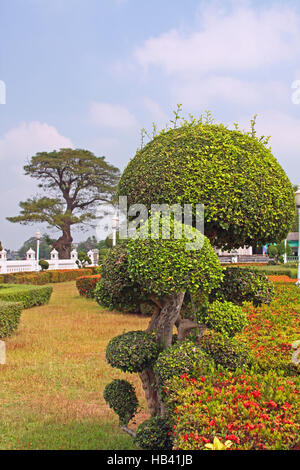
x=86, y=285
x=48, y=277
x=10, y=313
x=28, y=296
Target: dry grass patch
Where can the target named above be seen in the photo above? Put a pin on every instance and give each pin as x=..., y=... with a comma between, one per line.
x=56, y=369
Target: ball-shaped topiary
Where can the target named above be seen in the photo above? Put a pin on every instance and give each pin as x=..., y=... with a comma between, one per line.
x=182, y=358
x=154, y=434
x=165, y=266
x=133, y=351
x=224, y=317
x=247, y=196
x=244, y=285
x=227, y=352
x=116, y=290
x=121, y=397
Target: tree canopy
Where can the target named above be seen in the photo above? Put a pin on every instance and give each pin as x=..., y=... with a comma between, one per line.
x=248, y=198
x=74, y=181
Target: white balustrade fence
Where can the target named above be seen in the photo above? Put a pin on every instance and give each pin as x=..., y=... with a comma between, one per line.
x=31, y=264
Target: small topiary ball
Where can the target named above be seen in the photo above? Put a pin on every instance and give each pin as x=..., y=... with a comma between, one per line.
x=120, y=396
x=227, y=352
x=133, y=351
x=154, y=434
x=224, y=317
x=244, y=285
x=182, y=358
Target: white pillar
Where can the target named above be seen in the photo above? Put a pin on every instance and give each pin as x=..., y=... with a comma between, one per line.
x=30, y=256
x=54, y=258
x=3, y=262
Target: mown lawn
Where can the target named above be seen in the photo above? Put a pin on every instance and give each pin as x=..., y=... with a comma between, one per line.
x=51, y=389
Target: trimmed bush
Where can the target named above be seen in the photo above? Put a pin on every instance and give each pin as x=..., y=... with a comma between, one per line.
x=244, y=285
x=224, y=317
x=254, y=411
x=133, y=351
x=46, y=277
x=121, y=397
x=232, y=173
x=227, y=352
x=29, y=296
x=86, y=285
x=44, y=264
x=154, y=434
x=10, y=313
x=182, y=358
x=116, y=290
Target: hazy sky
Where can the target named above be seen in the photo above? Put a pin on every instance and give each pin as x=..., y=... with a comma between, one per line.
x=92, y=73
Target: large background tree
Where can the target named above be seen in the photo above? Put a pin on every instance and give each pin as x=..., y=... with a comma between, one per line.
x=74, y=181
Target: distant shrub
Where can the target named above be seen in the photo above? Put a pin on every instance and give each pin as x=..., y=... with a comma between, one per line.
x=10, y=313
x=154, y=434
x=121, y=397
x=225, y=317
x=86, y=285
x=44, y=264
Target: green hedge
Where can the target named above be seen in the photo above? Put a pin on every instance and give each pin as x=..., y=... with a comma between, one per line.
x=47, y=277
x=10, y=313
x=29, y=296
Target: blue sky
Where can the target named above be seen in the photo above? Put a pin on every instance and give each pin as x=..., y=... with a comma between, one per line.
x=92, y=73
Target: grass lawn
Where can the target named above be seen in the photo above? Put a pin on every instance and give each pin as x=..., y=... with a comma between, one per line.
x=51, y=389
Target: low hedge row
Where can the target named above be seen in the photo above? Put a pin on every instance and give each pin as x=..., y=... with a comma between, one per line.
x=86, y=285
x=28, y=296
x=10, y=313
x=46, y=277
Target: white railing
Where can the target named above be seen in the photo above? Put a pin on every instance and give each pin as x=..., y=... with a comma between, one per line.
x=31, y=264
x=292, y=259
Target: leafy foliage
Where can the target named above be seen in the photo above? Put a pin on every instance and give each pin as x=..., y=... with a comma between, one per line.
x=28, y=296
x=154, y=434
x=44, y=264
x=182, y=358
x=254, y=411
x=86, y=285
x=244, y=285
x=10, y=313
x=225, y=317
x=83, y=260
x=133, y=351
x=116, y=290
x=121, y=397
x=226, y=352
x=233, y=174
x=164, y=266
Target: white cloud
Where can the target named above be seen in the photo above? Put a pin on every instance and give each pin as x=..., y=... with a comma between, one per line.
x=242, y=39
x=201, y=92
x=24, y=141
x=156, y=111
x=111, y=115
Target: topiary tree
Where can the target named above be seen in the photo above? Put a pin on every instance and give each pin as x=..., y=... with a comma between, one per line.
x=165, y=270
x=248, y=198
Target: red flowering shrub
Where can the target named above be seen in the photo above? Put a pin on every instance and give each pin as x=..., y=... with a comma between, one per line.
x=86, y=285
x=253, y=411
x=272, y=328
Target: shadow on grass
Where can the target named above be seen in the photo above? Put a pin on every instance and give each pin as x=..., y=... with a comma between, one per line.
x=71, y=436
